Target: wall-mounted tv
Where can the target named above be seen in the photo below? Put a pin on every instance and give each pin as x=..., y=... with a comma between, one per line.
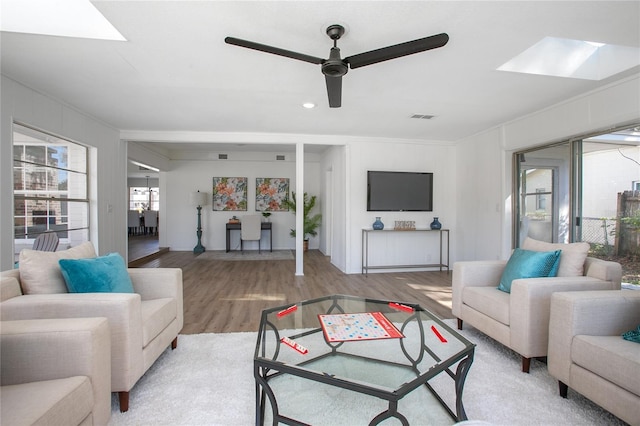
x=399, y=191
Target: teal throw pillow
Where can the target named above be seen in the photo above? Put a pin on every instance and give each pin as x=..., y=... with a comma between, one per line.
x=529, y=264
x=105, y=274
x=633, y=335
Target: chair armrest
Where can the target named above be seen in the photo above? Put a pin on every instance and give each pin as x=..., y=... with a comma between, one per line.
x=530, y=306
x=123, y=310
x=604, y=270
x=478, y=273
x=595, y=313
x=157, y=283
x=9, y=288
x=37, y=350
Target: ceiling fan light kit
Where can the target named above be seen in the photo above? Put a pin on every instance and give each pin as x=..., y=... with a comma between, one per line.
x=335, y=67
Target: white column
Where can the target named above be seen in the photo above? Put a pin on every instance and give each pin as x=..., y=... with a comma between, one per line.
x=299, y=207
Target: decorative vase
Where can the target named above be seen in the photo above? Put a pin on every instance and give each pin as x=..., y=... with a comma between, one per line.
x=436, y=224
x=378, y=225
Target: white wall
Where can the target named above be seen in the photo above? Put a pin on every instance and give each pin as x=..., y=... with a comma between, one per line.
x=485, y=169
x=334, y=206
x=186, y=176
x=107, y=164
x=398, y=248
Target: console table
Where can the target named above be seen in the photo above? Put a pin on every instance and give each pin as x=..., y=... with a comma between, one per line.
x=236, y=226
x=440, y=264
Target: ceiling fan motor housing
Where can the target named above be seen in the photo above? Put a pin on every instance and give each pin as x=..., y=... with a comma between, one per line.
x=334, y=66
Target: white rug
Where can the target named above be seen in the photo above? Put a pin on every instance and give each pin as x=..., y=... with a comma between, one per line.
x=208, y=380
x=246, y=255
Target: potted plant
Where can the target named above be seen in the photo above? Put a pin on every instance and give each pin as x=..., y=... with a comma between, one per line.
x=266, y=216
x=311, y=223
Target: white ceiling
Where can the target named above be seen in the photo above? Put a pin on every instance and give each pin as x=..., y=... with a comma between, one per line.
x=175, y=73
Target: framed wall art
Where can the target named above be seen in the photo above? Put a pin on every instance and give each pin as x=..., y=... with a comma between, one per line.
x=271, y=193
x=229, y=194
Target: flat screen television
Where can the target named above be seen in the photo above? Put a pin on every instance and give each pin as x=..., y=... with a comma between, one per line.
x=399, y=192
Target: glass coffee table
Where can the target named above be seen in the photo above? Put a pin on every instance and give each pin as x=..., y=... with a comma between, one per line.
x=337, y=358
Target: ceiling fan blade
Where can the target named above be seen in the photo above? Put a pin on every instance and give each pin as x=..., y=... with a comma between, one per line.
x=397, y=50
x=334, y=90
x=273, y=50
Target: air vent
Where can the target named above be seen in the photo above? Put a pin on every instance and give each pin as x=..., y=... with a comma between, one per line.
x=280, y=157
x=423, y=116
x=222, y=156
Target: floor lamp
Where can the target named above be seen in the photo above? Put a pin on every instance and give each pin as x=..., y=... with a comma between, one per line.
x=199, y=199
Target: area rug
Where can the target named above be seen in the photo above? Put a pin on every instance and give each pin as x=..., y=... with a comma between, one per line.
x=246, y=255
x=208, y=380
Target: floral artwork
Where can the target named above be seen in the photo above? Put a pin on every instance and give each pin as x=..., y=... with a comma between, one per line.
x=271, y=193
x=229, y=193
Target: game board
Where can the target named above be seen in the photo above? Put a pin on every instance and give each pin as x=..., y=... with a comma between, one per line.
x=358, y=326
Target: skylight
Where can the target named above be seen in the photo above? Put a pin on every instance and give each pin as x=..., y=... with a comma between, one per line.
x=65, y=18
x=561, y=57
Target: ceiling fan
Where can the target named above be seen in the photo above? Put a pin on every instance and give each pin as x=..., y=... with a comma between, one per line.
x=335, y=67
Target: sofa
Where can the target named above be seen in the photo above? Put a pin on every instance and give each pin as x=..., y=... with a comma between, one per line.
x=143, y=323
x=520, y=319
x=588, y=354
x=55, y=372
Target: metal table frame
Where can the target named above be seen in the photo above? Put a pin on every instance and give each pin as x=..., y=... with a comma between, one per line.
x=365, y=249
x=267, y=367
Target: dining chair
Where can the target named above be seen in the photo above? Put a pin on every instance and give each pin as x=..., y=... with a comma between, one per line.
x=250, y=229
x=133, y=222
x=151, y=221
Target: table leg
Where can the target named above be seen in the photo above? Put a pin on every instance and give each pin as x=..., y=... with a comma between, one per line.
x=228, y=240
x=461, y=375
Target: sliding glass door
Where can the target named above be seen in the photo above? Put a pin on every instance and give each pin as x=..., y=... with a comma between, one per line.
x=584, y=189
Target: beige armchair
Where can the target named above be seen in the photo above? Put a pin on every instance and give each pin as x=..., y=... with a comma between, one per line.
x=588, y=354
x=55, y=372
x=143, y=324
x=520, y=319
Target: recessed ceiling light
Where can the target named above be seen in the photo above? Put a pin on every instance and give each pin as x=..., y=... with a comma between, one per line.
x=561, y=57
x=309, y=105
x=65, y=18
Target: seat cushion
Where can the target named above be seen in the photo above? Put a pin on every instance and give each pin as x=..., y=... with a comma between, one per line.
x=571, y=259
x=52, y=402
x=157, y=314
x=488, y=300
x=40, y=272
x=610, y=357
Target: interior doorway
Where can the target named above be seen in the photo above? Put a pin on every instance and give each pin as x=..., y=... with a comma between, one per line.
x=143, y=217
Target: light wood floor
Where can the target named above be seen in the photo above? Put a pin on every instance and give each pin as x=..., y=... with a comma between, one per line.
x=228, y=296
x=141, y=246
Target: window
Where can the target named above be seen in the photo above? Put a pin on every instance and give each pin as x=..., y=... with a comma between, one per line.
x=541, y=199
x=141, y=198
x=49, y=188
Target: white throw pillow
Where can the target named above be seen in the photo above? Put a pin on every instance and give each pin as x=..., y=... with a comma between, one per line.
x=40, y=272
x=571, y=259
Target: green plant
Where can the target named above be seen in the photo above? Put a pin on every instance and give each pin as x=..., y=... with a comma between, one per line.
x=632, y=221
x=311, y=223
